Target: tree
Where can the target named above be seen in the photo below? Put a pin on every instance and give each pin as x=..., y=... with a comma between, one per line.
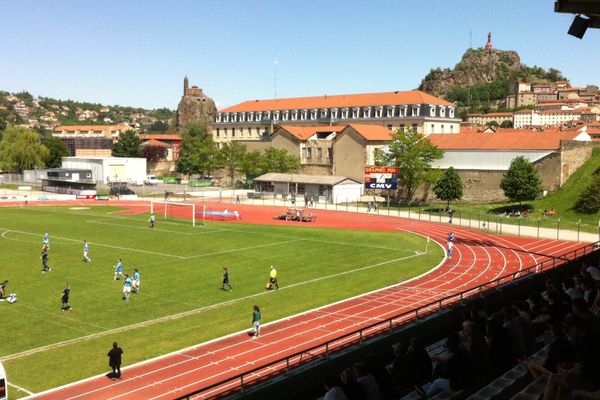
x=492, y=123
x=128, y=145
x=589, y=200
x=58, y=149
x=21, y=148
x=449, y=187
x=198, y=153
x=154, y=153
x=521, y=181
x=158, y=127
x=232, y=157
x=413, y=154
x=252, y=165
x=278, y=160
x=506, y=124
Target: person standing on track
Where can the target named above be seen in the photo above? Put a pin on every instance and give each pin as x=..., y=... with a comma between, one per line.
x=64, y=298
x=114, y=361
x=86, y=249
x=450, y=248
x=256, y=322
x=226, y=279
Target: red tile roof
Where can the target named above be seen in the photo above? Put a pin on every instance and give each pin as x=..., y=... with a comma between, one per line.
x=346, y=100
x=159, y=136
x=372, y=132
x=498, y=114
x=73, y=128
x=502, y=139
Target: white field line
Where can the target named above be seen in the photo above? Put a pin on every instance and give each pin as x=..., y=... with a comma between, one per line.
x=97, y=244
x=181, y=351
x=153, y=229
x=186, y=313
x=21, y=389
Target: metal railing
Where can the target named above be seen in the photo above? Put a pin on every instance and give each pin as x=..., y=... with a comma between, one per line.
x=241, y=382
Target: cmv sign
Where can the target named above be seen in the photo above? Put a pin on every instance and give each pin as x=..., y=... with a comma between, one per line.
x=381, y=178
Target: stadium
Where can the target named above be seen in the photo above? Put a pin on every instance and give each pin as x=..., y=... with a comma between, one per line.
x=351, y=283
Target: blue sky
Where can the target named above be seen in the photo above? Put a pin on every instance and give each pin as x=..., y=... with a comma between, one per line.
x=136, y=53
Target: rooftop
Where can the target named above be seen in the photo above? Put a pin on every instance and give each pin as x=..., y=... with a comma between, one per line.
x=301, y=178
x=346, y=100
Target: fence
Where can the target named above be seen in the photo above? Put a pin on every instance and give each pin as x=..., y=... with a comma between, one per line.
x=241, y=382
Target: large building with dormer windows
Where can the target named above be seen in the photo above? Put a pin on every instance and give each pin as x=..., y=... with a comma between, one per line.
x=258, y=119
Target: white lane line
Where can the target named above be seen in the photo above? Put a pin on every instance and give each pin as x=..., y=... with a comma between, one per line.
x=185, y=313
x=146, y=228
x=241, y=249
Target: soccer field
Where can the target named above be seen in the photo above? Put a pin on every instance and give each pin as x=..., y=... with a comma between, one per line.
x=180, y=303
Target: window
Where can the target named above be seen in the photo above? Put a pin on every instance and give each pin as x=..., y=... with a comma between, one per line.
x=250, y=116
x=355, y=112
x=218, y=132
x=390, y=111
x=432, y=111
x=284, y=115
x=451, y=112
x=414, y=127
x=226, y=117
x=414, y=111
x=319, y=153
x=294, y=115
x=378, y=112
x=308, y=152
x=390, y=127
x=323, y=113
x=451, y=128
x=224, y=132
x=345, y=113
x=303, y=115
x=257, y=131
x=313, y=114
x=402, y=128
x=276, y=115
x=334, y=113
x=234, y=117
x=432, y=128
x=442, y=128
x=442, y=112
x=219, y=116
x=329, y=152
x=232, y=132
x=242, y=117
x=258, y=116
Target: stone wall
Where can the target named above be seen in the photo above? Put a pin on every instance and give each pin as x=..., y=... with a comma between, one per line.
x=161, y=168
x=573, y=155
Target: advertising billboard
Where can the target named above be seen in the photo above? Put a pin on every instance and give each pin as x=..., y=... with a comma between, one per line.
x=381, y=178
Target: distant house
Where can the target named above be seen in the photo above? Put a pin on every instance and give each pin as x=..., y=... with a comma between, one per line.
x=171, y=142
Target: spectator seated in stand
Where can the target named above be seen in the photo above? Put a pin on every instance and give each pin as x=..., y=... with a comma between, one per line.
x=452, y=374
x=368, y=383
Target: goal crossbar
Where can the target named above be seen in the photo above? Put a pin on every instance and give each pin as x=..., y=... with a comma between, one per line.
x=156, y=206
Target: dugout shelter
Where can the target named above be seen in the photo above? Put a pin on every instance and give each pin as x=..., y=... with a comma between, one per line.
x=322, y=188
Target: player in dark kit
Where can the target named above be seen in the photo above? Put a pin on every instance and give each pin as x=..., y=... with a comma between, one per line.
x=64, y=299
x=226, y=279
x=44, y=257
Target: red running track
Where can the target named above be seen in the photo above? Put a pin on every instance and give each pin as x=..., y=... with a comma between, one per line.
x=477, y=258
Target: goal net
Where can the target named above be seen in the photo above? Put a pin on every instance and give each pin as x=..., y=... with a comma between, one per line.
x=169, y=210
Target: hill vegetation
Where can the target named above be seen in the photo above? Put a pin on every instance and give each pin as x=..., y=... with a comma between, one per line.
x=482, y=79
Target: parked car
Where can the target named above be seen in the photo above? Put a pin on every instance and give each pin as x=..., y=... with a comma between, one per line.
x=151, y=180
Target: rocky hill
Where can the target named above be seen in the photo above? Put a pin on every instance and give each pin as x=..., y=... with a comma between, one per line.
x=483, y=66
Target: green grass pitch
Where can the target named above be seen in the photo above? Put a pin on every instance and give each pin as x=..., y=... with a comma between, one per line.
x=180, y=303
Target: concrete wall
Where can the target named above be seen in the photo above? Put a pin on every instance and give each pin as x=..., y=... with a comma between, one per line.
x=349, y=155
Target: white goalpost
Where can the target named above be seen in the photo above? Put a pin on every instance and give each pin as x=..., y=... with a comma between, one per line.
x=168, y=209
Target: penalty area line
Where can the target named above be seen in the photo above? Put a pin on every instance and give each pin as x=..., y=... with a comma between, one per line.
x=188, y=313
x=21, y=389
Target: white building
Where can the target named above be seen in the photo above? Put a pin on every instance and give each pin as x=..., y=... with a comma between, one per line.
x=110, y=169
